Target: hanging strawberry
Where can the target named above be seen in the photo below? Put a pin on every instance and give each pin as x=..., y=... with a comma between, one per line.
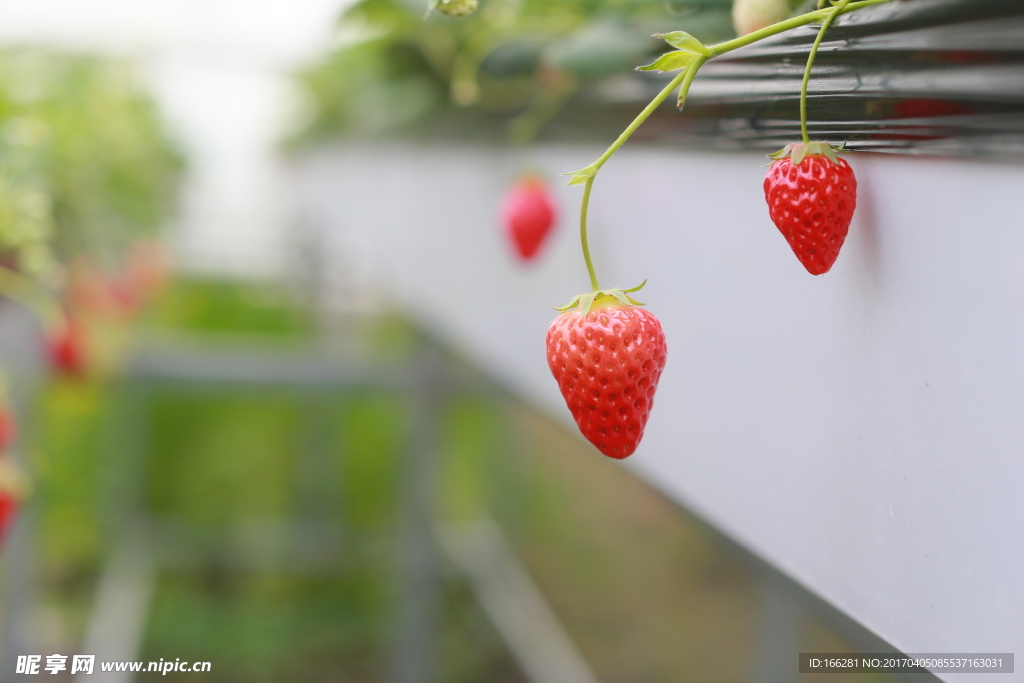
x=68, y=348
x=12, y=491
x=607, y=355
x=811, y=195
x=528, y=214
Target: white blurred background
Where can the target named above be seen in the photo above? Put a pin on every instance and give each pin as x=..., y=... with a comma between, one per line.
x=219, y=70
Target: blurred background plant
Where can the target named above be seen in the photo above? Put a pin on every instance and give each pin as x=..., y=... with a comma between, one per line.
x=508, y=69
x=222, y=485
x=85, y=166
x=87, y=180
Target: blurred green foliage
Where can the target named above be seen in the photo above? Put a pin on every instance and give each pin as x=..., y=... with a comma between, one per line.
x=222, y=477
x=78, y=422
x=228, y=478
x=513, y=64
x=213, y=306
x=84, y=163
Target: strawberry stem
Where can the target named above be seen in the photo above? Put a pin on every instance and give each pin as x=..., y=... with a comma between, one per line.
x=688, y=76
x=648, y=110
x=787, y=24
x=583, y=234
x=684, y=78
x=832, y=14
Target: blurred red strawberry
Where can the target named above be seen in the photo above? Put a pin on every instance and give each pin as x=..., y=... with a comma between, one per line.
x=8, y=511
x=147, y=267
x=92, y=291
x=8, y=428
x=126, y=295
x=67, y=349
x=12, y=492
x=528, y=214
x=920, y=107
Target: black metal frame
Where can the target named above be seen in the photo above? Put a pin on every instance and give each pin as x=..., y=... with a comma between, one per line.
x=911, y=76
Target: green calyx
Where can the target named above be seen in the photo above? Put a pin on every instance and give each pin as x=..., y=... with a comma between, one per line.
x=798, y=151
x=585, y=302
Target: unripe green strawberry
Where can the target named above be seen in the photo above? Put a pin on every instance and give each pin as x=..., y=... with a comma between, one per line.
x=457, y=8
x=607, y=359
x=752, y=15
x=811, y=195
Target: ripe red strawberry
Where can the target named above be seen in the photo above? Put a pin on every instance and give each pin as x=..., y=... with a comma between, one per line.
x=811, y=197
x=8, y=511
x=607, y=356
x=67, y=349
x=528, y=214
x=12, y=491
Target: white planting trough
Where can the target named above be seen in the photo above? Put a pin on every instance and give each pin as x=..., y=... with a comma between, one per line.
x=862, y=431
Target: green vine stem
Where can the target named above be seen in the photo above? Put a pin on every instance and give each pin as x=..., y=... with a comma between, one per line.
x=684, y=78
x=33, y=296
x=833, y=13
x=583, y=234
x=688, y=76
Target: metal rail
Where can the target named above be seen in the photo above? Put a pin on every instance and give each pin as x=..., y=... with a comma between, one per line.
x=940, y=77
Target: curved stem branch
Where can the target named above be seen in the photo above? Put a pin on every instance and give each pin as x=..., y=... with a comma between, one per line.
x=832, y=14
x=684, y=78
x=827, y=15
x=641, y=117
x=785, y=25
x=688, y=77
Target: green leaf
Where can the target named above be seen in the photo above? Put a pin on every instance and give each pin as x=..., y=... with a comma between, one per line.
x=684, y=41
x=581, y=176
x=671, y=61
